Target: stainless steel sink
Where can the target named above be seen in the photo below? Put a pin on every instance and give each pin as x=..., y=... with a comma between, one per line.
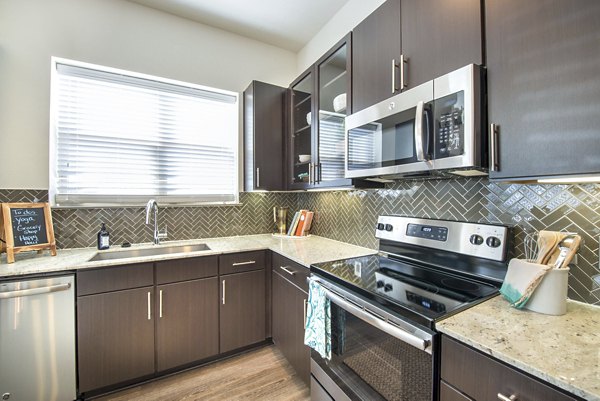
x=136, y=253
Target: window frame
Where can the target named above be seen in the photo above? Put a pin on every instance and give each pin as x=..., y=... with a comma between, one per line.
x=95, y=201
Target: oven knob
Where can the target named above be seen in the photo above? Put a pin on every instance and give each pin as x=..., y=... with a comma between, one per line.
x=387, y=288
x=389, y=227
x=380, y=226
x=493, y=242
x=379, y=283
x=476, y=239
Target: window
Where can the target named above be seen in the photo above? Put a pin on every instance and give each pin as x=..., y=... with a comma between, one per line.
x=120, y=138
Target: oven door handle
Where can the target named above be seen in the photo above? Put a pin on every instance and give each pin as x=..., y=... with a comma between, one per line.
x=371, y=318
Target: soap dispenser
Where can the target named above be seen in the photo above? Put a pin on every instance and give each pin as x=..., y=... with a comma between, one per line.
x=103, y=238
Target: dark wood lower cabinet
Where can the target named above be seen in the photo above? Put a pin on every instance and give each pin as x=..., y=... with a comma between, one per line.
x=187, y=327
x=115, y=334
x=483, y=378
x=288, y=324
x=242, y=315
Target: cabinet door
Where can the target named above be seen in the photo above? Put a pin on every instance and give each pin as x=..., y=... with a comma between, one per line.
x=439, y=36
x=264, y=136
x=333, y=98
x=187, y=327
x=289, y=303
x=115, y=337
x=300, y=159
x=376, y=50
x=242, y=310
x=543, y=87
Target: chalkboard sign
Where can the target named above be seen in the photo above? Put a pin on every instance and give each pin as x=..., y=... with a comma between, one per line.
x=26, y=227
x=29, y=226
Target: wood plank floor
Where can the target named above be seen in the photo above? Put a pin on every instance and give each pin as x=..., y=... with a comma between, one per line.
x=262, y=374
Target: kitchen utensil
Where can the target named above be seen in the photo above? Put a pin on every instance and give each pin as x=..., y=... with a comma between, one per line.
x=280, y=219
x=547, y=241
x=531, y=246
x=568, y=248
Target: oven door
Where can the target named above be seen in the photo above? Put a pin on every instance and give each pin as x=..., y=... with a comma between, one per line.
x=375, y=355
x=391, y=137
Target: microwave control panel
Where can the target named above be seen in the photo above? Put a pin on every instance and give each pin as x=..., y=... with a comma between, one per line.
x=449, y=126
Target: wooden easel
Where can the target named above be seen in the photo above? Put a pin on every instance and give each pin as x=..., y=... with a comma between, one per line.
x=23, y=228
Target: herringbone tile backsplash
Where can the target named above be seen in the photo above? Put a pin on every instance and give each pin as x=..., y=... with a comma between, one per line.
x=350, y=216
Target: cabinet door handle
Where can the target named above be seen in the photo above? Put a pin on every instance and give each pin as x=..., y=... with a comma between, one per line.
x=305, y=305
x=505, y=398
x=149, y=306
x=223, y=300
x=403, y=63
x=494, y=131
x=394, y=66
x=160, y=308
x=288, y=270
x=250, y=262
x=310, y=173
x=257, y=177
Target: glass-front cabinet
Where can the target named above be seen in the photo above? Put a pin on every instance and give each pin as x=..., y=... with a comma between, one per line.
x=301, y=131
x=319, y=101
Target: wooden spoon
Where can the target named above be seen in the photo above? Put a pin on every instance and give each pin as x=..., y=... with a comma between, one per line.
x=547, y=242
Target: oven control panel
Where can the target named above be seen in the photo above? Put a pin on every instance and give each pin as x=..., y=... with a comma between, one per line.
x=487, y=241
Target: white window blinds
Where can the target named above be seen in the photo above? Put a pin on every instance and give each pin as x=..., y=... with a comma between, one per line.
x=121, y=138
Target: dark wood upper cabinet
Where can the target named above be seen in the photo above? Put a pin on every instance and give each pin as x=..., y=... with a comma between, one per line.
x=376, y=50
x=187, y=322
x=543, y=61
x=405, y=43
x=242, y=315
x=439, y=36
x=264, y=137
x=115, y=337
x=319, y=100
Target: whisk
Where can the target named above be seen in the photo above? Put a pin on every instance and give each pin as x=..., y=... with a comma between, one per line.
x=531, y=246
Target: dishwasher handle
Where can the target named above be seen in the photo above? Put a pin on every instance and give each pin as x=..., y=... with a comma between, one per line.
x=34, y=291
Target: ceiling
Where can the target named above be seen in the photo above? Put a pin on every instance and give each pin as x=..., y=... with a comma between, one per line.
x=286, y=24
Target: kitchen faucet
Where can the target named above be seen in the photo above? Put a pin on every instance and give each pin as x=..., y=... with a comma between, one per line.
x=153, y=206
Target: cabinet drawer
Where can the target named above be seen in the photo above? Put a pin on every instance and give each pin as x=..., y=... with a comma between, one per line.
x=114, y=278
x=483, y=378
x=449, y=393
x=292, y=271
x=171, y=271
x=241, y=262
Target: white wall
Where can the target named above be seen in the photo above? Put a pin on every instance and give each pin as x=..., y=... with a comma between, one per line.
x=114, y=33
x=342, y=22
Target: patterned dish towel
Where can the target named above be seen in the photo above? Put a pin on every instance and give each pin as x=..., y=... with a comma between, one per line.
x=522, y=278
x=317, y=333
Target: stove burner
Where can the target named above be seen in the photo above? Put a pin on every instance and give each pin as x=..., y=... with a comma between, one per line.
x=463, y=285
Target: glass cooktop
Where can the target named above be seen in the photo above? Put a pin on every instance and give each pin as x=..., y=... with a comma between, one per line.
x=421, y=293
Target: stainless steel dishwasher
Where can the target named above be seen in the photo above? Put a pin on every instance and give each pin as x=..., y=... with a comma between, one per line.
x=37, y=340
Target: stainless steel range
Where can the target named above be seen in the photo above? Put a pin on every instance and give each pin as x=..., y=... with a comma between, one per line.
x=384, y=307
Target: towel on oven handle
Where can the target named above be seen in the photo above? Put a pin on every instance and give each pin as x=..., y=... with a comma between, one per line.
x=317, y=330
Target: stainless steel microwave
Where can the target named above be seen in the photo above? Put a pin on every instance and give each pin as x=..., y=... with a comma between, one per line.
x=432, y=129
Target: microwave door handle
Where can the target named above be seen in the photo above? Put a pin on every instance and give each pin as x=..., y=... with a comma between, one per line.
x=419, y=145
x=372, y=319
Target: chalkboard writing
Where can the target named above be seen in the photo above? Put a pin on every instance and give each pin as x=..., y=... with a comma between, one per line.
x=26, y=227
x=29, y=226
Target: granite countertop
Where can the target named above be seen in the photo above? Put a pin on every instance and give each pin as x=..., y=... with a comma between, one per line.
x=562, y=350
x=306, y=251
